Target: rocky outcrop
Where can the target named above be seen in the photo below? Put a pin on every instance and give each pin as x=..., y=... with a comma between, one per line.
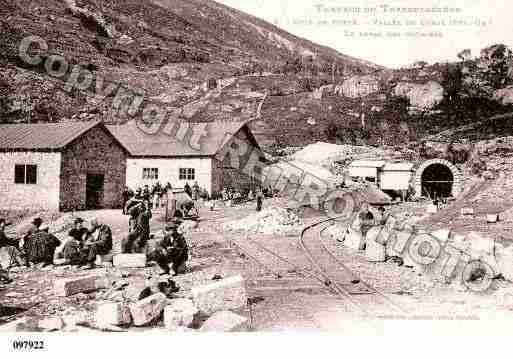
x=421, y=96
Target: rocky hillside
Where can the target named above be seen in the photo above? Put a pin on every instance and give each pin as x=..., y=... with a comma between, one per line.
x=164, y=49
x=197, y=60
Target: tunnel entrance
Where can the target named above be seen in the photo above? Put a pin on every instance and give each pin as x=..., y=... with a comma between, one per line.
x=437, y=181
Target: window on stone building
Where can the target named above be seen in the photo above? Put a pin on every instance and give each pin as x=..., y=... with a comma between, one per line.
x=25, y=174
x=150, y=173
x=187, y=174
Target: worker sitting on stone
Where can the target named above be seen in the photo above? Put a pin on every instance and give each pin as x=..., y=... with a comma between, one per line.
x=172, y=250
x=41, y=247
x=98, y=242
x=10, y=245
x=73, y=246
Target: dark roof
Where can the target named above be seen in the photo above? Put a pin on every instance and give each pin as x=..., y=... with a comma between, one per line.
x=42, y=136
x=141, y=143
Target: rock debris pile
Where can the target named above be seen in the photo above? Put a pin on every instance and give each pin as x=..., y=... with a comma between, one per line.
x=273, y=220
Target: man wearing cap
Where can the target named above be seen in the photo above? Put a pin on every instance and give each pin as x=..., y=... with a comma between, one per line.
x=140, y=230
x=98, y=242
x=10, y=245
x=42, y=246
x=27, y=241
x=74, y=245
x=172, y=249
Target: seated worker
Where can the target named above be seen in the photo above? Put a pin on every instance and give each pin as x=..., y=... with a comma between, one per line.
x=41, y=247
x=98, y=242
x=172, y=249
x=11, y=245
x=73, y=247
x=139, y=235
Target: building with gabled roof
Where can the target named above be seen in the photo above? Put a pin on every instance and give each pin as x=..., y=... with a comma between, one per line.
x=182, y=152
x=60, y=166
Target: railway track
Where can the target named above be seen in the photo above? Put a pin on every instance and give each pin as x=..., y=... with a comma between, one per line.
x=344, y=282
x=327, y=269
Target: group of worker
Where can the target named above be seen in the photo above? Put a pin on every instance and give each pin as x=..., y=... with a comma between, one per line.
x=39, y=246
x=231, y=197
x=85, y=243
x=156, y=194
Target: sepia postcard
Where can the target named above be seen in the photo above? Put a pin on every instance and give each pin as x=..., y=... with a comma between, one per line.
x=176, y=169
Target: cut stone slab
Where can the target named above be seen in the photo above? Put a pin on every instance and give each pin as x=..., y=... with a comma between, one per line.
x=397, y=243
x=137, y=291
x=492, y=218
x=113, y=314
x=467, y=211
x=147, y=310
x=13, y=326
x=130, y=260
x=225, y=294
x=442, y=234
x=179, y=313
x=353, y=239
x=504, y=257
x=71, y=286
x=225, y=321
x=51, y=324
x=374, y=251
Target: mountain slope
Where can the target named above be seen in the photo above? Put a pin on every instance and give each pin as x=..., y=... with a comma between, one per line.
x=164, y=49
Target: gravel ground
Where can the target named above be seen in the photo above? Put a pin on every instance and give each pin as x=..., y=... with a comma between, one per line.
x=287, y=301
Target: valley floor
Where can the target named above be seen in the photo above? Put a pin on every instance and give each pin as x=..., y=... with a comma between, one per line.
x=282, y=293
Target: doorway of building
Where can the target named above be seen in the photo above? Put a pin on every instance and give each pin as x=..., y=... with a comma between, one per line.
x=94, y=190
x=437, y=181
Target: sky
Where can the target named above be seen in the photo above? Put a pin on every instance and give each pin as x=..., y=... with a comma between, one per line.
x=372, y=31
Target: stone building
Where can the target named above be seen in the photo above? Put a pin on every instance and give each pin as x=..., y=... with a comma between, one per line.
x=215, y=155
x=60, y=166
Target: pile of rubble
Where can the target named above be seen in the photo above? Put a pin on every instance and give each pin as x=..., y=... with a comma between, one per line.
x=273, y=220
x=473, y=252
x=325, y=154
x=132, y=302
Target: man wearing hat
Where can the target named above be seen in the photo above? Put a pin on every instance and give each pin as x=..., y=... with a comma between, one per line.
x=41, y=246
x=172, y=249
x=98, y=242
x=139, y=234
x=74, y=245
x=10, y=245
x=28, y=243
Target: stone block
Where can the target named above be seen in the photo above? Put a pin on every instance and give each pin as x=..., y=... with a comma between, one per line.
x=225, y=294
x=71, y=286
x=179, y=313
x=148, y=310
x=225, y=321
x=51, y=324
x=492, y=218
x=130, y=260
x=137, y=291
x=113, y=314
x=374, y=251
x=467, y=211
x=442, y=235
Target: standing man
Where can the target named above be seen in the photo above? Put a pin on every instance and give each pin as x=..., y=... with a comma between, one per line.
x=98, y=242
x=195, y=191
x=187, y=189
x=140, y=229
x=259, y=199
x=173, y=249
x=127, y=194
